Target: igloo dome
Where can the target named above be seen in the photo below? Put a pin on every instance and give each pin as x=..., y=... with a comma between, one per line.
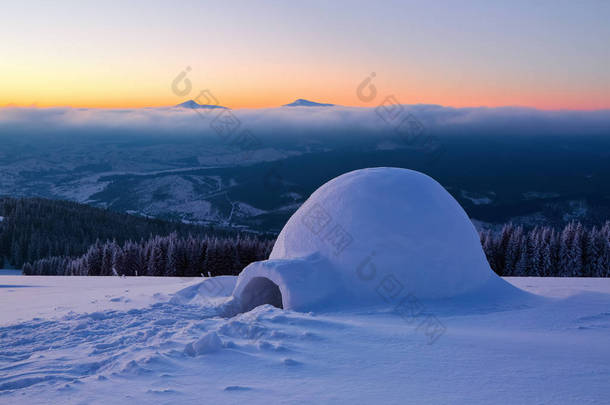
x=370, y=236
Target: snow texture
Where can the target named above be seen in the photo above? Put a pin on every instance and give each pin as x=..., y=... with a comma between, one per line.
x=67, y=350
x=208, y=343
x=211, y=290
x=395, y=225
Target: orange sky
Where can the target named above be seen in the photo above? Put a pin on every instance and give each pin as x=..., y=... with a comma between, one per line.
x=546, y=55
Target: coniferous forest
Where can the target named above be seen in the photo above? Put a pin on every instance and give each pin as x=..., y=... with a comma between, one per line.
x=47, y=237
x=574, y=251
x=159, y=256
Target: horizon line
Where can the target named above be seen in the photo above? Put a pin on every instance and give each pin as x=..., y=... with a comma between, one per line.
x=143, y=107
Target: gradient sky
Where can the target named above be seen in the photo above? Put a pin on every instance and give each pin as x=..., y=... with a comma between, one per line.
x=544, y=54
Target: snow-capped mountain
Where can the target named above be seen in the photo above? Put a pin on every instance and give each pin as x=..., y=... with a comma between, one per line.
x=194, y=104
x=300, y=102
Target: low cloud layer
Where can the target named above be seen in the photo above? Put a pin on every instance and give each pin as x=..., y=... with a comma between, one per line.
x=293, y=122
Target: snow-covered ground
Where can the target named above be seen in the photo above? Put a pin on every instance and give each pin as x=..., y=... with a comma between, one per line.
x=113, y=340
x=406, y=310
x=29, y=297
x=10, y=272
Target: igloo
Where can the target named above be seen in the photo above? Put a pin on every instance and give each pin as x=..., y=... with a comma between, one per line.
x=369, y=237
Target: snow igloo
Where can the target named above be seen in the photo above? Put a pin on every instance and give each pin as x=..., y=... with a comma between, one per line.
x=369, y=237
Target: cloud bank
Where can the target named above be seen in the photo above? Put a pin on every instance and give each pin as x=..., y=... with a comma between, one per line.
x=288, y=123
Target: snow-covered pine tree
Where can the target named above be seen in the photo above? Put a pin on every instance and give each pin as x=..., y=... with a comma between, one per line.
x=215, y=263
x=534, y=252
x=565, y=250
x=513, y=251
x=173, y=253
x=158, y=258
x=107, y=259
x=94, y=259
x=546, y=252
x=27, y=269
x=506, y=234
x=577, y=247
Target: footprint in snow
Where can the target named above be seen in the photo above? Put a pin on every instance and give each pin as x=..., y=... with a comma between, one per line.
x=290, y=362
x=233, y=388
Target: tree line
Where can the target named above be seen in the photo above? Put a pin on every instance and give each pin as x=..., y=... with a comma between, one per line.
x=171, y=256
x=574, y=251
x=60, y=237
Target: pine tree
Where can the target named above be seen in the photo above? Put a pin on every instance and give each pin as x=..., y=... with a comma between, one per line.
x=157, y=264
x=507, y=232
x=173, y=257
x=213, y=261
x=108, y=252
x=546, y=252
x=565, y=251
x=513, y=251
x=94, y=260
x=576, y=251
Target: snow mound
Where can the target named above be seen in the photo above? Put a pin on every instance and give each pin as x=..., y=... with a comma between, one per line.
x=208, y=343
x=205, y=291
x=367, y=237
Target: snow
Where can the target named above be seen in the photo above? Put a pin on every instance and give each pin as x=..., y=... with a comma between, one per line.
x=550, y=350
x=9, y=272
x=478, y=199
x=59, y=296
x=392, y=225
x=534, y=195
x=208, y=343
x=206, y=291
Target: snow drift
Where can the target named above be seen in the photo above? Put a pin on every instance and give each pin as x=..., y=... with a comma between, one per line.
x=365, y=238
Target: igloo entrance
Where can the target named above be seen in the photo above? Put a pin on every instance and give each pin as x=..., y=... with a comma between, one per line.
x=260, y=291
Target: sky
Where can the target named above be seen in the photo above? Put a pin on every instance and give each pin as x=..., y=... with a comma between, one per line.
x=126, y=54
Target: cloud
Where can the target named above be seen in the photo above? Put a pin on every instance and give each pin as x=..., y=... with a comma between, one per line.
x=289, y=124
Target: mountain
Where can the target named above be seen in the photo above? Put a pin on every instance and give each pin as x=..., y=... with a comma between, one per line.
x=194, y=104
x=306, y=103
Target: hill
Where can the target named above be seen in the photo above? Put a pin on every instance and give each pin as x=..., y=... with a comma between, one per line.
x=35, y=228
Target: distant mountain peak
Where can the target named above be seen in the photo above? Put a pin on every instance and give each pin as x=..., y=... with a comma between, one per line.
x=301, y=102
x=194, y=104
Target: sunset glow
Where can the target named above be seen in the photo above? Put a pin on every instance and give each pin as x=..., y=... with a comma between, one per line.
x=549, y=55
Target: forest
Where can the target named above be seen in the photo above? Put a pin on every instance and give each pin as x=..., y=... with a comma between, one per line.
x=159, y=256
x=37, y=228
x=573, y=251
